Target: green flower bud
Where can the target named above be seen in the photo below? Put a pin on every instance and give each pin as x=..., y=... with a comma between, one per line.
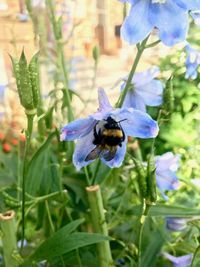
x=34, y=77
x=151, y=181
x=27, y=79
x=96, y=53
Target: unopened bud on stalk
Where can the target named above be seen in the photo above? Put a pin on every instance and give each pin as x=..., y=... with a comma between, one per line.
x=151, y=181
x=27, y=79
x=96, y=53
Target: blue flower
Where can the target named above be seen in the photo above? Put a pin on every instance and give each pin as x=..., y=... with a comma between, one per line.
x=196, y=17
x=179, y=224
x=192, y=62
x=132, y=122
x=166, y=167
x=176, y=224
x=170, y=17
x=182, y=261
x=146, y=90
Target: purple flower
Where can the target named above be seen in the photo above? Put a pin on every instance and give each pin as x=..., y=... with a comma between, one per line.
x=88, y=133
x=176, y=224
x=165, y=15
x=192, y=62
x=182, y=261
x=146, y=90
x=166, y=167
x=179, y=224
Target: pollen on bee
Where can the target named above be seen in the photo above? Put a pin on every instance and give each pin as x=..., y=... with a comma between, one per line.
x=114, y=133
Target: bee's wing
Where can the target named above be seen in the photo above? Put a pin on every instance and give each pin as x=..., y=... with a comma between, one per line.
x=109, y=154
x=94, y=153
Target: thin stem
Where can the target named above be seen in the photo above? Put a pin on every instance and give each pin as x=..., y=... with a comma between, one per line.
x=145, y=211
x=87, y=175
x=96, y=171
x=60, y=53
x=25, y=169
x=152, y=44
x=49, y=216
x=141, y=48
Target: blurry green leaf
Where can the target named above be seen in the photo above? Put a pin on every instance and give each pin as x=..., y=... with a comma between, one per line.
x=167, y=210
x=149, y=257
x=62, y=242
x=39, y=166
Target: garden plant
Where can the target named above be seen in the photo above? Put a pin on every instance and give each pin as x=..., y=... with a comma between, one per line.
x=120, y=184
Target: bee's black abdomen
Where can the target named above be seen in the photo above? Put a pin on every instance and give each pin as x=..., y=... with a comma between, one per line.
x=112, y=140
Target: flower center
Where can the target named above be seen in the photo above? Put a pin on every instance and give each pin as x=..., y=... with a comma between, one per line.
x=158, y=1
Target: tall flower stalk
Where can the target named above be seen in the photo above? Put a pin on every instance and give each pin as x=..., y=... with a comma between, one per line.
x=57, y=31
x=27, y=79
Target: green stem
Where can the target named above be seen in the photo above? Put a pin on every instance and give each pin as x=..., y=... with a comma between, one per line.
x=146, y=208
x=49, y=216
x=60, y=53
x=141, y=48
x=195, y=255
x=9, y=239
x=99, y=224
x=25, y=169
x=87, y=176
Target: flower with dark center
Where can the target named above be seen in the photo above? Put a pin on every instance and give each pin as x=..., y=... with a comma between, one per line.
x=104, y=134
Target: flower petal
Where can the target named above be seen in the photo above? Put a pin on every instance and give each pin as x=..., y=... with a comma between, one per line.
x=166, y=17
x=189, y=4
x=137, y=123
x=104, y=103
x=167, y=180
x=77, y=129
x=182, y=261
x=133, y=100
x=151, y=93
x=176, y=224
x=167, y=161
x=83, y=147
x=119, y=156
x=145, y=77
x=137, y=26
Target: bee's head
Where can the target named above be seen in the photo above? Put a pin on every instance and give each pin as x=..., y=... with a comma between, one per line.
x=111, y=123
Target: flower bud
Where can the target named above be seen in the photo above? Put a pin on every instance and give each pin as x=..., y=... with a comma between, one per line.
x=27, y=79
x=96, y=53
x=151, y=180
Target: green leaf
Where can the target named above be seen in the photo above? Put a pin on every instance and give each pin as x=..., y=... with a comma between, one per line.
x=63, y=241
x=39, y=166
x=149, y=257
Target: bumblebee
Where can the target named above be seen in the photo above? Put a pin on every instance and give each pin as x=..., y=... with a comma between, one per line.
x=107, y=137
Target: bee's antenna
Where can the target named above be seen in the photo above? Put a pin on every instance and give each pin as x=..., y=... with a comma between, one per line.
x=122, y=120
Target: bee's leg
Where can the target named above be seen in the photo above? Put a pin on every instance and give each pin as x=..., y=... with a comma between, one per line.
x=123, y=137
x=96, y=136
